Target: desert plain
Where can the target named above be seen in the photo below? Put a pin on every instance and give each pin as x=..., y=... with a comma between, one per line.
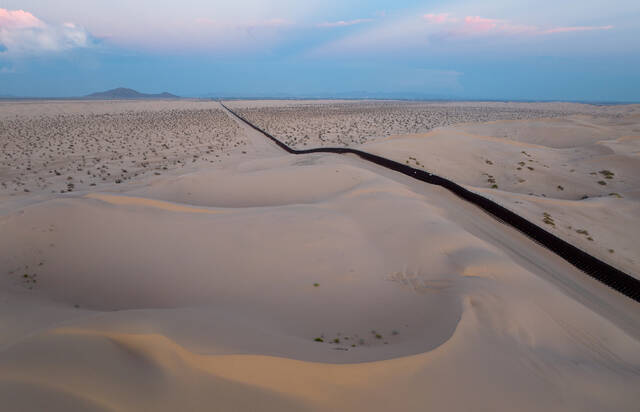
x=162, y=255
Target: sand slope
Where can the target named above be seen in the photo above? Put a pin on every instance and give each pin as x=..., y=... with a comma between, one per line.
x=586, y=192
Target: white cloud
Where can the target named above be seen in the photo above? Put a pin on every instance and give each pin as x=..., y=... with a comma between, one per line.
x=22, y=33
x=343, y=23
x=439, y=18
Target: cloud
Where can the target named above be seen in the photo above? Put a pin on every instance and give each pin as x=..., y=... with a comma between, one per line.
x=22, y=33
x=18, y=19
x=439, y=18
x=576, y=28
x=274, y=22
x=478, y=25
x=343, y=23
x=440, y=31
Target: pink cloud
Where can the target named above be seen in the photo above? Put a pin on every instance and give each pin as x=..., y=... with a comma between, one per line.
x=439, y=18
x=343, y=23
x=481, y=24
x=22, y=33
x=18, y=19
x=576, y=28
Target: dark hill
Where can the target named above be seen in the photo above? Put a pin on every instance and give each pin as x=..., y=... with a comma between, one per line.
x=123, y=93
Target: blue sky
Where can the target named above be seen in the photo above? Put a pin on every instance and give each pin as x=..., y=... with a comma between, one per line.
x=494, y=49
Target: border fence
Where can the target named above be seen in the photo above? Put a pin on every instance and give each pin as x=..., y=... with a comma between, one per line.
x=594, y=267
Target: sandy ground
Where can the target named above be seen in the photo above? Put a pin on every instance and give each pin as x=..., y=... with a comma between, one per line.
x=265, y=281
x=572, y=168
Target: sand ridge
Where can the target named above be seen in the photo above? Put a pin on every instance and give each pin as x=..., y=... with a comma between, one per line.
x=157, y=204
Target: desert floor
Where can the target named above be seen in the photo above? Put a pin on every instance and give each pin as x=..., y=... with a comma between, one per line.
x=164, y=256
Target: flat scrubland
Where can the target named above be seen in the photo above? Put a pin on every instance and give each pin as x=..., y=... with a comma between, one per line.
x=61, y=147
x=244, y=278
x=304, y=124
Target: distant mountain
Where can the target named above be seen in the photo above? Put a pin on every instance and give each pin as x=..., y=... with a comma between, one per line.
x=123, y=93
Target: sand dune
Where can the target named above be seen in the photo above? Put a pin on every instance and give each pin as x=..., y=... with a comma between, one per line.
x=562, y=165
x=316, y=282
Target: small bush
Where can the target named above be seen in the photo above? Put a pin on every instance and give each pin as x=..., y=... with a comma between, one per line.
x=607, y=174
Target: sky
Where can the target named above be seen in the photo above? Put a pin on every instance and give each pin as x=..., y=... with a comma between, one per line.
x=584, y=50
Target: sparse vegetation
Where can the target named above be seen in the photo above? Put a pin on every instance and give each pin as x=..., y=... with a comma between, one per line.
x=547, y=219
x=103, y=146
x=607, y=174
x=29, y=280
x=348, y=124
